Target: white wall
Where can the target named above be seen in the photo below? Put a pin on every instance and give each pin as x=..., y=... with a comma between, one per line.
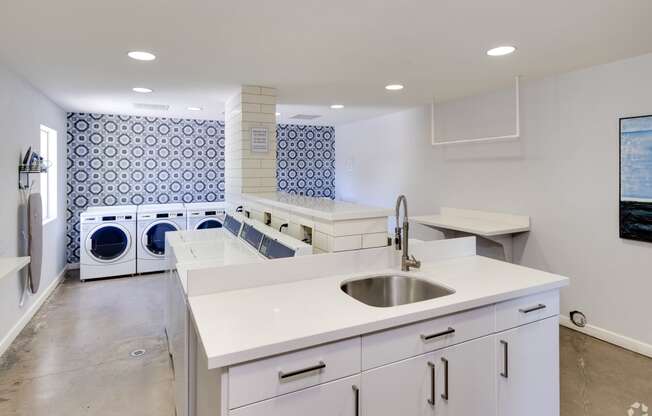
x=22, y=111
x=563, y=173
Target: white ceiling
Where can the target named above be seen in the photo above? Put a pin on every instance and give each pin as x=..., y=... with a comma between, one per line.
x=315, y=52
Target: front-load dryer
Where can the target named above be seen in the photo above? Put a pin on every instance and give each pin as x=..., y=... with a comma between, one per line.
x=107, y=242
x=153, y=222
x=204, y=215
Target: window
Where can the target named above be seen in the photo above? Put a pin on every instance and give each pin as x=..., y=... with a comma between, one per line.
x=49, y=179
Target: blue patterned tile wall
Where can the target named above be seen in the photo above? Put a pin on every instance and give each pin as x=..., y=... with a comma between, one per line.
x=120, y=160
x=306, y=160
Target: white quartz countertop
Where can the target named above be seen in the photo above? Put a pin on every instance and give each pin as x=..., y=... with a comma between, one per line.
x=320, y=208
x=485, y=227
x=248, y=324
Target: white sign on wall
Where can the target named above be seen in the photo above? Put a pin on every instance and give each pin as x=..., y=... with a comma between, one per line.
x=259, y=141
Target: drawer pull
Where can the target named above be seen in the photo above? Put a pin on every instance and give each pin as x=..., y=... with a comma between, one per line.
x=318, y=367
x=445, y=394
x=431, y=400
x=505, y=372
x=533, y=308
x=356, y=392
x=438, y=334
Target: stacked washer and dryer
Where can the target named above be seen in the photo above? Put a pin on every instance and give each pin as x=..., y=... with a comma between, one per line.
x=130, y=239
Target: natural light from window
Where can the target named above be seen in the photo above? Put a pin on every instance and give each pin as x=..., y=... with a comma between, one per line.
x=48, y=151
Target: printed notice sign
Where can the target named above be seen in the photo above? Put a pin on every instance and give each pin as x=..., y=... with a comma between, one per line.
x=259, y=142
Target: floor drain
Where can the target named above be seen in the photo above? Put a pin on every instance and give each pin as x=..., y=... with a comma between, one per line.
x=137, y=353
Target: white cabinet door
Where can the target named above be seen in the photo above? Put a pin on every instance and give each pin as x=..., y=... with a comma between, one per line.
x=466, y=380
x=458, y=380
x=528, y=369
x=403, y=388
x=337, y=398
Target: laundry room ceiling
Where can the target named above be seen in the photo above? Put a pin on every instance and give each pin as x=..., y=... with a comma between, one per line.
x=316, y=53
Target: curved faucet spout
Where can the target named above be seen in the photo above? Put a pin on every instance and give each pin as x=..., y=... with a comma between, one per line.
x=401, y=241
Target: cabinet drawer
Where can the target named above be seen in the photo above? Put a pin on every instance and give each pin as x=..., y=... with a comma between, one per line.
x=270, y=377
x=527, y=309
x=337, y=398
x=408, y=341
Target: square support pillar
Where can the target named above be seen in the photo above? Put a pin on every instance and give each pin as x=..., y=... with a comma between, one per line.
x=250, y=167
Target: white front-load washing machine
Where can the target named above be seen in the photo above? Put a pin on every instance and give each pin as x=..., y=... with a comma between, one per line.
x=107, y=242
x=153, y=222
x=204, y=215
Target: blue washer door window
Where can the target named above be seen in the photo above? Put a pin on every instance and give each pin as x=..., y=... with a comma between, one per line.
x=208, y=223
x=108, y=242
x=155, y=237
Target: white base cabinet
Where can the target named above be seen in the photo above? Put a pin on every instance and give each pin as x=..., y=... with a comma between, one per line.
x=528, y=381
x=457, y=380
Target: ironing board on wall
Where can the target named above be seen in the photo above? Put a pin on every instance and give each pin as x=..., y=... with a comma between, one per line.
x=35, y=240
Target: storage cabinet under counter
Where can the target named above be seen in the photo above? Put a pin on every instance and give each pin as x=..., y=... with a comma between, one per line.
x=501, y=359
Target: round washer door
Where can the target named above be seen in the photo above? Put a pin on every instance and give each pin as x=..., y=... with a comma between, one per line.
x=154, y=237
x=208, y=223
x=108, y=242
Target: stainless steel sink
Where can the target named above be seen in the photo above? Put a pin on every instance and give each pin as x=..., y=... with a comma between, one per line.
x=392, y=290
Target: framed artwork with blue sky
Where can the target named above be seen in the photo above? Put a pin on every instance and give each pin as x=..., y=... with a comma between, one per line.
x=636, y=178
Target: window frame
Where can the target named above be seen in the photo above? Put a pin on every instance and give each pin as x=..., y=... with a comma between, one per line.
x=48, y=149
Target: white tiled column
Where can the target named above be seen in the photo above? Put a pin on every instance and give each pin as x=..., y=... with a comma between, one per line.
x=246, y=171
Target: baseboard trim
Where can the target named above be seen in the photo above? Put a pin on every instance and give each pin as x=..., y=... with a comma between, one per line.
x=34, y=307
x=609, y=336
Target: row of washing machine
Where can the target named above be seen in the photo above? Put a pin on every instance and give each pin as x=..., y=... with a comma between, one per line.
x=129, y=239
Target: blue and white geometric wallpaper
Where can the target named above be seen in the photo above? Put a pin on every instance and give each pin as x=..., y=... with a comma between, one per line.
x=121, y=160
x=305, y=160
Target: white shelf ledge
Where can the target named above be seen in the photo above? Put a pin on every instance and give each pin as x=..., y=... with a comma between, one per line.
x=10, y=265
x=496, y=227
x=515, y=135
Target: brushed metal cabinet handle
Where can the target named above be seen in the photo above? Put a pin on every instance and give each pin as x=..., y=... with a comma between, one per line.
x=282, y=375
x=356, y=392
x=505, y=372
x=533, y=308
x=444, y=395
x=431, y=400
x=449, y=331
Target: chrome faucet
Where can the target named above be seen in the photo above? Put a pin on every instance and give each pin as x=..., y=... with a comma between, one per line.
x=401, y=241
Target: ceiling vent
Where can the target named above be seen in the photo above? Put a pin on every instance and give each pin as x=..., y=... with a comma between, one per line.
x=305, y=116
x=152, y=107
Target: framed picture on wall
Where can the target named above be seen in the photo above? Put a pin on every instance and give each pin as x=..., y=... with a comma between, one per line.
x=636, y=178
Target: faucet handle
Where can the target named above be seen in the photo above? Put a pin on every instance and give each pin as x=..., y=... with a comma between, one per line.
x=415, y=263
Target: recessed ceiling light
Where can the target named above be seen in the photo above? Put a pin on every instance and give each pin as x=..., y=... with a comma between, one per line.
x=142, y=90
x=194, y=108
x=337, y=106
x=278, y=114
x=501, y=51
x=394, y=87
x=141, y=56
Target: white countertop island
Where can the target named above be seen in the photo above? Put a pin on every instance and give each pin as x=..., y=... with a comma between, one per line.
x=328, y=225
x=281, y=338
x=325, y=209
x=242, y=325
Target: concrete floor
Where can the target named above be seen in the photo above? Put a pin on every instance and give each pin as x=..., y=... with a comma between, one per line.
x=73, y=359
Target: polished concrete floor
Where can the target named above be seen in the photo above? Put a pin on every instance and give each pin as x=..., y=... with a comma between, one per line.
x=73, y=359
x=600, y=379
x=74, y=356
